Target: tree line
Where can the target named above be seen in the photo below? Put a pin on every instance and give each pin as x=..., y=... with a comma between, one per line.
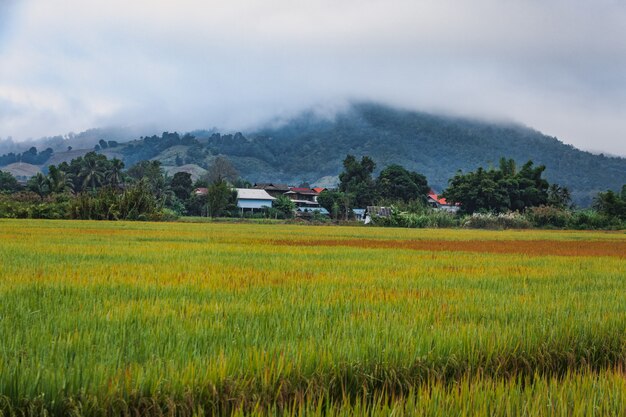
x=95, y=187
x=502, y=196
x=98, y=188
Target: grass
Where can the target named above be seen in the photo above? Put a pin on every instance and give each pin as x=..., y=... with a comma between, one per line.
x=219, y=319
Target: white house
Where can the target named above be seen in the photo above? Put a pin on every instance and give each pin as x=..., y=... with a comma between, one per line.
x=250, y=199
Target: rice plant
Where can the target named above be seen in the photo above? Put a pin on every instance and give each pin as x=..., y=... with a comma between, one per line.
x=225, y=319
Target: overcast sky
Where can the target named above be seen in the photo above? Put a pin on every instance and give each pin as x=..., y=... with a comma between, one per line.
x=69, y=65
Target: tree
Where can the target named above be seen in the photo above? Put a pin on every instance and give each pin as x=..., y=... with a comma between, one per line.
x=336, y=202
x=39, y=185
x=476, y=191
x=182, y=185
x=356, y=180
x=8, y=183
x=397, y=183
x=92, y=171
x=155, y=176
x=284, y=205
x=611, y=204
x=221, y=170
x=137, y=202
x=499, y=190
x=103, y=144
x=115, y=173
x=151, y=170
x=559, y=197
x=219, y=195
x=58, y=180
x=533, y=190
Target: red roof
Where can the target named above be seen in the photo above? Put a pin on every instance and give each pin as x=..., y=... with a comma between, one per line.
x=319, y=189
x=435, y=197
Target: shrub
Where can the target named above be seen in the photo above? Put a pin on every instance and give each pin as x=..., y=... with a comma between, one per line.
x=421, y=219
x=510, y=220
x=548, y=216
x=591, y=219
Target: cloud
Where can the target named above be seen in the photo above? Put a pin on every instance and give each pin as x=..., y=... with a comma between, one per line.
x=559, y=66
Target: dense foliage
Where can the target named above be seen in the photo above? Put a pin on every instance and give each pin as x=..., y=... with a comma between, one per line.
x=499, y=190
x=94, y=187
x=358, y=189
x=612, y=204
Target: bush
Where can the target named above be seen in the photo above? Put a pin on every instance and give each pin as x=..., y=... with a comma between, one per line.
x=27, y=205
x=419, y=220
x=548, y=216
x=510, y=220
x=590, y=219
x=165, y=215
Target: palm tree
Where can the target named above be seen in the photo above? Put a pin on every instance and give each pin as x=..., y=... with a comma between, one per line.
x=59, y=181
x=92, y=173
x=115, y=176
x=39, y=185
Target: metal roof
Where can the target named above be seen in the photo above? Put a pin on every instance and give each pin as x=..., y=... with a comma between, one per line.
x=253, y=194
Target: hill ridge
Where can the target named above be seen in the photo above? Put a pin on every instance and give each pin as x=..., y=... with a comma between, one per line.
x=310, y=147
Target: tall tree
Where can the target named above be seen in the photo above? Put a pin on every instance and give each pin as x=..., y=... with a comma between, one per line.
x=182, y=185
x=219, y=195
x=115, y=173
x=59, y=181
x=611, y=204
x=39, y=185
x=356, y=180
x=397, y=183
x=92, y=171
x=559, y=196
x=221, y=170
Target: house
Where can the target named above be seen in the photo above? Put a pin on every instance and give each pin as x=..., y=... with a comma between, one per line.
x=318, y=190
x=201, y=191
x=272, y=189
x=303, y=197
x=251, y=199
x=300, y=193
x=440, y=203
x=375, y=211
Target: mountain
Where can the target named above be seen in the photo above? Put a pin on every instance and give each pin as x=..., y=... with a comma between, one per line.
x=311, y=148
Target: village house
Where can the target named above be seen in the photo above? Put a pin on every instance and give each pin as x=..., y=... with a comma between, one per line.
x=251, y=199
x=303, y=197
x=440, y=203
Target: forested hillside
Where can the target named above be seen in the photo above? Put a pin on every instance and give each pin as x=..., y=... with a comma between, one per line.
x=309, y=148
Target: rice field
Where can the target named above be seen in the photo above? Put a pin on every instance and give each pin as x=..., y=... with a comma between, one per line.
x=117, y=318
